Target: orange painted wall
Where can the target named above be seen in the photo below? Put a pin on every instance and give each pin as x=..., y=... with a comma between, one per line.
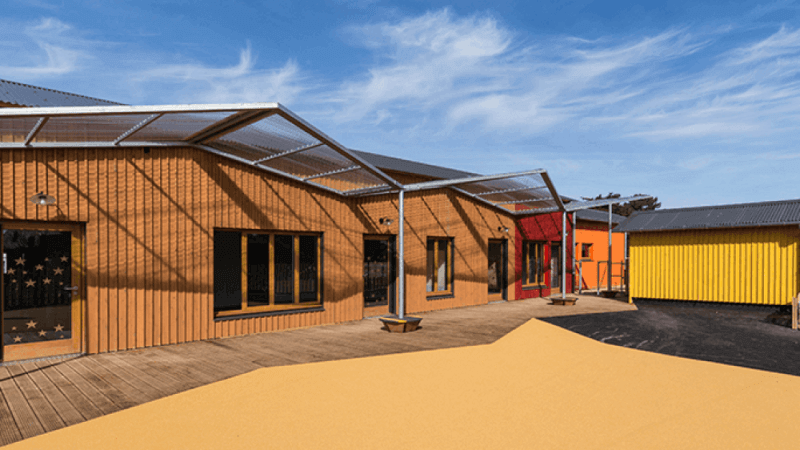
x=596, y=234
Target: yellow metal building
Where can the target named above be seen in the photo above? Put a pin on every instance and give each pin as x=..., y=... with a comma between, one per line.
x=743, y=253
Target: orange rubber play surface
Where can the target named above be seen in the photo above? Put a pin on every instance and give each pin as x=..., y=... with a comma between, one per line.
x=538, y=387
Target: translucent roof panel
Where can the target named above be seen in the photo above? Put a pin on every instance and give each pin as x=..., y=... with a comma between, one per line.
x=350, y=180
x=178, y=126
x=16, y=129
x=272, y=134
x=515, y=193
x=242, y=151
x=95, y=128
x=321, y=159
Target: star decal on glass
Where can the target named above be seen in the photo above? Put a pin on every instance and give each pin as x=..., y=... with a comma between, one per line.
x=62, y=336
x=60, y=283
x=11, y=271
x=46, y=281
x=42, y=333
x=64, y=259
x=13, y=328
x=13, y=281
x=58, y=271
x=30, y=283
x=39, y=267
x=46, y=259
x=24, y=272
x=31, y=324
x=17, y=339
x=20, y=261
x=59, y=328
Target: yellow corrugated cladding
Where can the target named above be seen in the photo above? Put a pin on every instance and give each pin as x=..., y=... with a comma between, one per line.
x=747, y=265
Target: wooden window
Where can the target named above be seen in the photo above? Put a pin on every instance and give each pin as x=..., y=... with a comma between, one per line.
x=586, y=251
x=264, y=272
x=532, y=263
x=440, y=266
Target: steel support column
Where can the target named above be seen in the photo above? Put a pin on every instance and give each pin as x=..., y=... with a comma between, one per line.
x=563, y=254
x=401, y=289
x=610, y=259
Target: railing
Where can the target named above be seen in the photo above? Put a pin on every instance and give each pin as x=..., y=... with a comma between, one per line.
x=623, y=275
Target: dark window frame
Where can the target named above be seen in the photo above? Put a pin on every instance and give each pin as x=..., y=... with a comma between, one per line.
x=449, y=290
x=298, y=303
x=530, y=258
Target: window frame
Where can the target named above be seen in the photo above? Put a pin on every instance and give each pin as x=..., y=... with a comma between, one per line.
x=590, y=252
x=526, y=261
x=296, y=304
x=449, y=290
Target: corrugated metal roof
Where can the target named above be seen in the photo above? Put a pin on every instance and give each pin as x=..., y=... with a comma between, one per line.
x=26, y=95
x=786, y=212
x=593, y=215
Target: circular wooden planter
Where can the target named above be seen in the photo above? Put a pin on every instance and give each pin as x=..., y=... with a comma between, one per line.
x=398, y=325
x=566, y=301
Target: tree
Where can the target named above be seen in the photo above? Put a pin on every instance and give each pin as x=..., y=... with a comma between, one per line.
x=627, y=208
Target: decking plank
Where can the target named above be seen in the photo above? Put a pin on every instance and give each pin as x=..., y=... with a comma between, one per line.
x=9, y=431
x=44, y=410
x=78, y=399
x=120, y=381
x=24, y=416
x=102, y=394
x=166, y=384
x=62, y=406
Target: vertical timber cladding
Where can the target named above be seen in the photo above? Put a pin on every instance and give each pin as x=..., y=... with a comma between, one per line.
x=443, y=213
x=149, y=219
x=734, y=265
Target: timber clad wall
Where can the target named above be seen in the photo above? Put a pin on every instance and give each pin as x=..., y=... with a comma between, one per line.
x=149, y=223
x=736, y=265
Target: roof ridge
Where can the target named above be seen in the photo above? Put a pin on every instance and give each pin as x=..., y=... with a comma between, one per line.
x=728, y=206
x=59, y=92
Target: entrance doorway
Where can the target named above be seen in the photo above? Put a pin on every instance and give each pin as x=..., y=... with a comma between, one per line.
x=41, y=291
x=497, y=256
x=380, y=261
x=555, y=268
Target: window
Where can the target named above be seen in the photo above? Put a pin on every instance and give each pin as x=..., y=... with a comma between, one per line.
x=262, y=272
x=586, y=251
x=440, y=266
x=532, y=263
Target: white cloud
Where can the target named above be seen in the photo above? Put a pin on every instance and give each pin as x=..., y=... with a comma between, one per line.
x=239, y=83
x=43, y=49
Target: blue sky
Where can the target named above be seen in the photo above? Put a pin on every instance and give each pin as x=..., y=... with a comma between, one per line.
x=695, y=103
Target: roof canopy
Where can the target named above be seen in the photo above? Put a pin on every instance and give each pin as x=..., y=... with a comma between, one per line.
x=263, y=135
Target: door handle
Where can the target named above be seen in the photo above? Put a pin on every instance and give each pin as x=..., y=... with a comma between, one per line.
x=73, y=288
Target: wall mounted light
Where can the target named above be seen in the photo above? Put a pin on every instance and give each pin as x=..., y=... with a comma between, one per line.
x=43, y=199
x=502, y=229
x=385, y=221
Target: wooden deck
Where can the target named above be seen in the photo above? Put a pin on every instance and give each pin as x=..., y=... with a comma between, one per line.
x=38, y=397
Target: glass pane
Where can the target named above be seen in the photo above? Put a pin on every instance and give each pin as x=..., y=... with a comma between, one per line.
x=376, y=272
x=308, y=269
x=37, y=267
x=441, y=271
x=257, y=269
x=431, y=265
x=227, y=271
x=495, y=267
x=284, y=270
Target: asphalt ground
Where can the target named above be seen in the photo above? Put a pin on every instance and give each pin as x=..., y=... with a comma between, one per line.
x=739, y=335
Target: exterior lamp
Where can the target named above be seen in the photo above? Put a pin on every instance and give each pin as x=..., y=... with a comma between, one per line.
x=502, y=229
x=385, y=221
x=42, y=199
